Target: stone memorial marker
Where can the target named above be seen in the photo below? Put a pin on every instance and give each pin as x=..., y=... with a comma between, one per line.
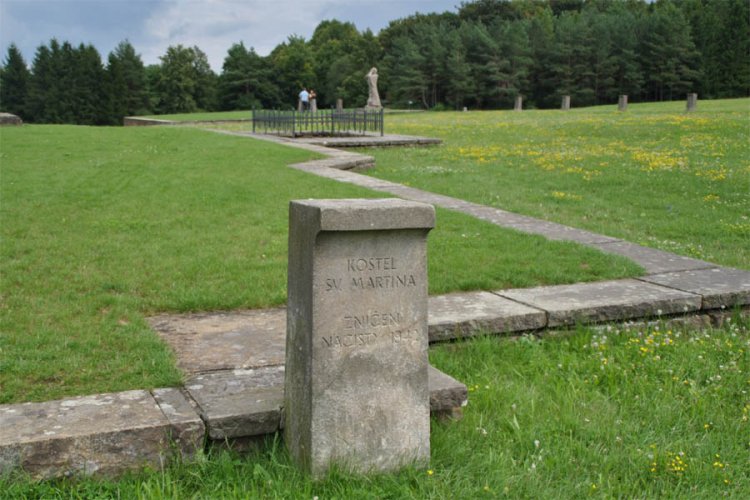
x=339, y=104
x=692, y=101
x=622, y=103
x=565, y=103
x=518, y=106
x=356, y=392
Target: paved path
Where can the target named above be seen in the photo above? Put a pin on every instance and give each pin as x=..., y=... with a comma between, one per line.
x=234, y=361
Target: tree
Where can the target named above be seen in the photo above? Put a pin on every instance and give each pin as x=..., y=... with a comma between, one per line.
x=45, y=87
x=245, y=81
x=14, y=81
x=342, y=57
x=87, y=95
x=293, y=68
x=668, y=54
x=127, y=85
x=721, y=32
x=406, y=82
x=205, y=81
x=458, y=85
x=185, y=82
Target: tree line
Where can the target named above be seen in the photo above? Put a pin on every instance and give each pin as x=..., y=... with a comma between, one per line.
x=481, y=56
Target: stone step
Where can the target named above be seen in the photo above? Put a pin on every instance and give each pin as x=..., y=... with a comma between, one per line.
x=242, y=403
x=103, y=434
x=108, y=434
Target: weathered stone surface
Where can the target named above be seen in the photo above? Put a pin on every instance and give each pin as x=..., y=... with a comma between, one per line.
x=464, y=314
x=604, y=301
x=445, y=392
x=135, y=121
x=239, y=403
x=565, y=106
x=720, y=287
x=356, y=359
x=243, y=403
x=224, y=340
x=653, y=260
x=692, y=102
x=187, y=431
x=622, y=103
x=105, y=434
x=10, y=119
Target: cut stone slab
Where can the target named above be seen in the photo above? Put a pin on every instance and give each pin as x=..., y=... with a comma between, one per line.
x=652, y=260
x=721, y=287
x=105, y=434
x=187, y=430
x=465, y=314
x=604, y=301
x=447, y=396
x=242, y=403
x=224, y=341
x=239, y=403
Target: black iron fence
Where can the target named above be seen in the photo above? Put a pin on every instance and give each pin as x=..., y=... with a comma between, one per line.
x=330, y=122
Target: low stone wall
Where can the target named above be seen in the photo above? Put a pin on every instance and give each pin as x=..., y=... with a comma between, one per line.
x=10, y=119
x=134, y=121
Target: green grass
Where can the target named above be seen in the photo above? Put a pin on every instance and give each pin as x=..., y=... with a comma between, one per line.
x=653, y=175
x=102, y=227
x=621, y=412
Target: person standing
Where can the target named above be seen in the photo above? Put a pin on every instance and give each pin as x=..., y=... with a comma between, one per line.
x=304, y=100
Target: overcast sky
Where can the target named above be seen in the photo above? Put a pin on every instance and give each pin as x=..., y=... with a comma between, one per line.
x=212, y=25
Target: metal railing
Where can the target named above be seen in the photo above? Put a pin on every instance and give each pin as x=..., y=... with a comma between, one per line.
x=325, y=122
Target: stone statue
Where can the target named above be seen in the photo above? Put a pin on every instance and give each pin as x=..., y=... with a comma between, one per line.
x=373, y=100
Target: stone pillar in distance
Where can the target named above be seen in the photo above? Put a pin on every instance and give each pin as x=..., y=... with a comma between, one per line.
x=622, y=103
x=565, y=103
x=518, y=106
x=356, y=391
x=692, y=101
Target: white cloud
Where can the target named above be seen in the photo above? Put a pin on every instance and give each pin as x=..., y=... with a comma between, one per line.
x=217, y=24
x=212, y=25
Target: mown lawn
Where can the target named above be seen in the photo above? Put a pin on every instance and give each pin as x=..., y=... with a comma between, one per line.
x=618, y=412
x=653, y=175
x=101, y=227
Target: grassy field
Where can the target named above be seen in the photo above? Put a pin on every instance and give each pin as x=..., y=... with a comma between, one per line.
x=104, y=226
x=653, y=175
x=101, y=227
x=624, y=412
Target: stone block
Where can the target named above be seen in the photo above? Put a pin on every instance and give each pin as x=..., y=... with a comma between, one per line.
x=720, y=287
x=187, y=431
x=10, y=119
x=465, y=314
x=239, y=403
x=651, y=259
x=224, y=340
x=356, y=357
x=692, y=102
x=104, y=434
x=604, y=301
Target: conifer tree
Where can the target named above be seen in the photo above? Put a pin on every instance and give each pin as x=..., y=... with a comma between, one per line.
x=14, y=81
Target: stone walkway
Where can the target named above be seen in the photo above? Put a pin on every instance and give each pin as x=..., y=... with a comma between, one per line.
x=234, y=361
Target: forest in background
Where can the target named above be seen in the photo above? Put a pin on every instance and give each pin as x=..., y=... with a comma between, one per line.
x=481, y=56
